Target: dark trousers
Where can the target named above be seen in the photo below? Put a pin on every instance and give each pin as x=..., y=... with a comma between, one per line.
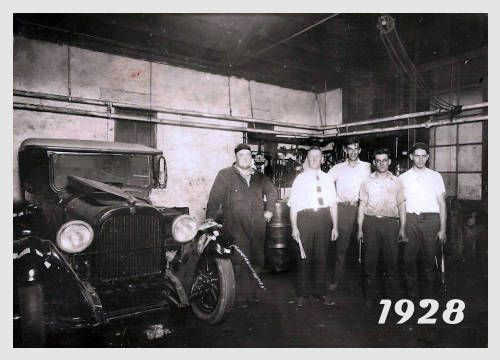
x=251, y=241
x=347, y=215
x=381, y=235
x=422, y=238
x=315, y=229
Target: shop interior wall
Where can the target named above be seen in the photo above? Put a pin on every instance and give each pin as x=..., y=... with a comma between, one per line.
x=194, y=156
x=459, y=153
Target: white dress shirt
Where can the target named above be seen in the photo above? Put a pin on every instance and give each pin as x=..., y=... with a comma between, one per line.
x=348, y=179
x=422, y=190
x=312, y=189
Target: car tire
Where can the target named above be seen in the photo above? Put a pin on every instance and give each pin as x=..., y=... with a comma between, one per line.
x=32, y=316
x=211, y=307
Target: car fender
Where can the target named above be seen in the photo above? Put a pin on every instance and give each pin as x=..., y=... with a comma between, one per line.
x=70, y=301
x=206, y=244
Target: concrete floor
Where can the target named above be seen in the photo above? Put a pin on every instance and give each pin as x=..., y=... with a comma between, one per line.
x=277, y=322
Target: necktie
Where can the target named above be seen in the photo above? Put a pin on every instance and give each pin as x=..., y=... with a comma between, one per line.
x=318, y=191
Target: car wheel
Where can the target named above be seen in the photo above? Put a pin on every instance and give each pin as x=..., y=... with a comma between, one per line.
x=32, y=313
x=213, y=291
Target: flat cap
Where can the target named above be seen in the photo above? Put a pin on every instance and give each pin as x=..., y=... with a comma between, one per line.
x=241, y=147
x=420, y=145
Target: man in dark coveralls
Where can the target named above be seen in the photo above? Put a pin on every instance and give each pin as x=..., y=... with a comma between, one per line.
x=238, y=191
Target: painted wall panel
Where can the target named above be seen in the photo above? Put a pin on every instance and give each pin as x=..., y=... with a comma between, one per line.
x=470, y=133
x=446, y=135
x=183, y=89
x=111, y=77
x=333, y=100
x=469, y=157
x=469, y=186
x=275, y=103
x=240, y=97
x=40, y=66
x=446, y=158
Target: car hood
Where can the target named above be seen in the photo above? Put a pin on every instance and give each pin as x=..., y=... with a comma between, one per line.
x=90, y=199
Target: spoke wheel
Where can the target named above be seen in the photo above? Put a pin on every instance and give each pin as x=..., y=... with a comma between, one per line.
x=213, y=290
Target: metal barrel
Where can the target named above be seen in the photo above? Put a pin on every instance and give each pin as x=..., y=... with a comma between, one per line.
x=278, y=236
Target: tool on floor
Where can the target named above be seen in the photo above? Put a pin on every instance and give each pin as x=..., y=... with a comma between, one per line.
x=441, y=268
x=302, y=251
x=443, y=273
x=360, y=243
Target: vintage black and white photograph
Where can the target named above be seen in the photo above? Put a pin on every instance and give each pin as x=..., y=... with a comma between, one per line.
x=250, y=179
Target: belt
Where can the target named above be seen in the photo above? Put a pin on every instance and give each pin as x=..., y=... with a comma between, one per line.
x=423, y=214
x=314, y=209
x=348, y=203
x=383, y=217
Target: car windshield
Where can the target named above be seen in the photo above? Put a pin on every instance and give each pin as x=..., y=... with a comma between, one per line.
x=123, y=170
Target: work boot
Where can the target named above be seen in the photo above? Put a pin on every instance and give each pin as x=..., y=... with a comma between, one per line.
x=242, y=305
x=332, y=287
x=300, y=301
x=328, y=300
x=255, y=299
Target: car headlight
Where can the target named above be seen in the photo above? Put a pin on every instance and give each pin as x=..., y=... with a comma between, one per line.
x=184, y=228
x=74, y=236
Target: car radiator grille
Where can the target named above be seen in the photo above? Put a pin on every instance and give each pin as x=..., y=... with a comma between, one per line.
x=128, y=246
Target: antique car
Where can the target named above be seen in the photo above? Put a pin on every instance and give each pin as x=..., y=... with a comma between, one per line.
x=90, y=247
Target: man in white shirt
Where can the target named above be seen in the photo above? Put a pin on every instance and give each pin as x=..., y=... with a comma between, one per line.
x=313, y=216
x=347, y=177
x=425, y=219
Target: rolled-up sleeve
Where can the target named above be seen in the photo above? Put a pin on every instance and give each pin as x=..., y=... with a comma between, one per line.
x=400, y=192
x=363, y=193
x=439, y=184
x=293, y=200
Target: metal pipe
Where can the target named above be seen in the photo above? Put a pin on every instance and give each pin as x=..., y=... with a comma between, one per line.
x=98, y=102
x=416, y=126
x=99, y=114
x=462, y=120
x=160, y=109
x=55, y=97
x=405, y=116
x=81, y=112
x=215, y=116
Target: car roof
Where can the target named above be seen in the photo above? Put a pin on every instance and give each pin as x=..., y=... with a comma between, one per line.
x=87, y=146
